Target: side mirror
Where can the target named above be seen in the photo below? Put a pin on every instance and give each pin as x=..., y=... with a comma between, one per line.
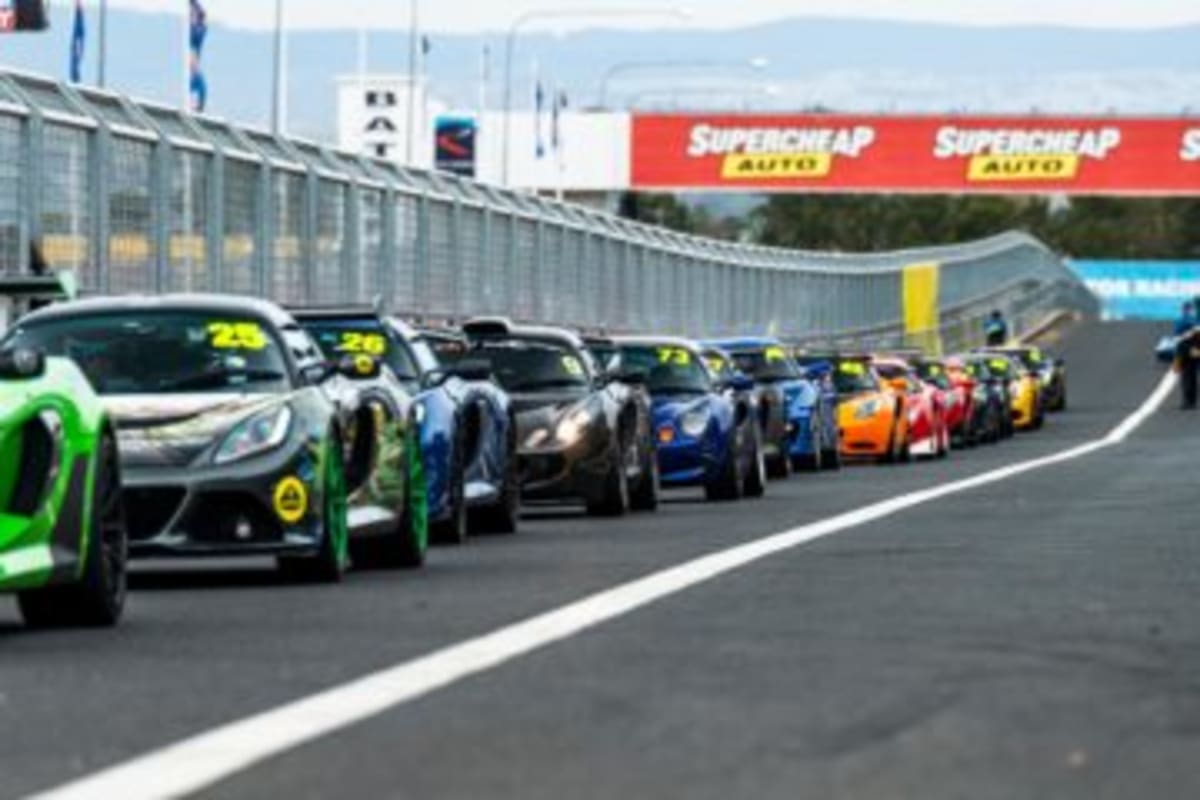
x=360, y=367
x=740, y=383
x=627, y=377
x=22, y=363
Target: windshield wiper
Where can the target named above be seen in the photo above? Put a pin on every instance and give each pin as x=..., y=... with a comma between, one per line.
x=216, y=379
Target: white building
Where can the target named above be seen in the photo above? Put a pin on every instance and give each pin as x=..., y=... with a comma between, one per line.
x=592, y=157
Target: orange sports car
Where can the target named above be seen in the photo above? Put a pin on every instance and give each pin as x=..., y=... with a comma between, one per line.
x=872, y=415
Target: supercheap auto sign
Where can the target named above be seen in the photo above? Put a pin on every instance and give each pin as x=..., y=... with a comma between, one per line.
x=916, y=154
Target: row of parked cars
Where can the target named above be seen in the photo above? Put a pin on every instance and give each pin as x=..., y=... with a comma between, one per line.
x=203, y=425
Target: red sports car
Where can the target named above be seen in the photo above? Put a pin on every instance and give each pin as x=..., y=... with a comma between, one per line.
x=957, y=388
x=929, y=434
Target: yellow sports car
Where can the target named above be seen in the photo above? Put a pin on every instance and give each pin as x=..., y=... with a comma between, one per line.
x=1024, y=389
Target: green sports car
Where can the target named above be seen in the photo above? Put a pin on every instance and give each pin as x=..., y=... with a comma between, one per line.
x=63, y=540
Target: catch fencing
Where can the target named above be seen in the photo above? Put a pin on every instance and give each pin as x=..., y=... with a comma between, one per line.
x=138, y=197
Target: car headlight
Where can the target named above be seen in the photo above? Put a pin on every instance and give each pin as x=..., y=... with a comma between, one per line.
x=695, y=422
x=258, y=434
x=573, y=426
x=867, y=410
x=536, y=438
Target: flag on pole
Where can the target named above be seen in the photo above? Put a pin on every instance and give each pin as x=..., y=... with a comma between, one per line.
x=539, y=103
x=560, y=105
x=78, y=40
x=197, y=34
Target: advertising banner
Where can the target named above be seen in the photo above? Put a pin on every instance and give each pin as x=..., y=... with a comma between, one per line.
x=454, y=146
x=1141, y=289
x=954, y=154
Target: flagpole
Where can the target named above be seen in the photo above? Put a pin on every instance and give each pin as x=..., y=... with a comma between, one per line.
x=279, y=79
x=186, y=28
x=102, y=68
x=414, y=43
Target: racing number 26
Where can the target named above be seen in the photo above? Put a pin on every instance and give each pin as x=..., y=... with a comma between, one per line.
x=370, y=344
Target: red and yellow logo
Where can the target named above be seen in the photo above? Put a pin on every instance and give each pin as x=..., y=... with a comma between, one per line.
x=772, y=153
x=1016, y=154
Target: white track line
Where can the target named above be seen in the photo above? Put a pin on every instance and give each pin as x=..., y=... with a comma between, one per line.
x=205, y=759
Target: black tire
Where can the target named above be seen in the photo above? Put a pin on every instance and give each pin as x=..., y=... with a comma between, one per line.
x=98, y=599
x=644, y=496
x=755, y=483
x=779, y=467
x=811, y=462
x=330, y=562
x=831, y=457
x=729, y=485
x=454, y=529
x=614, y=501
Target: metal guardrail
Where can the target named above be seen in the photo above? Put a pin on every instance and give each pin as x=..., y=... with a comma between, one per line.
x=137, y=197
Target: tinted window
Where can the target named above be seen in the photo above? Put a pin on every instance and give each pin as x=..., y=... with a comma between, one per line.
x=768, y=364
x=528, y=365
x=667, y=368
x=354, y=337
x=854, y=377
x=165, y=353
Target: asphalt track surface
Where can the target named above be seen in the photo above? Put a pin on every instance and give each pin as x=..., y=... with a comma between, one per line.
x=1036, y=637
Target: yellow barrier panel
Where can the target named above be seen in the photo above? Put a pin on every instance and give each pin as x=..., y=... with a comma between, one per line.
x=920, y=301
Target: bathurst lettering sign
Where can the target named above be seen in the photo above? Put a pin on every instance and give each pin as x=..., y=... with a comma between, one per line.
x=916, y=154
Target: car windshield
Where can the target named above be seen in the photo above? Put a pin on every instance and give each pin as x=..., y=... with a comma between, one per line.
x=668, y=368
x=934, y=374
x=608, y=356
x=854, y=377
x=767, y=364
x=720, y=365
x=357, y=337
x=531, y=365
x=181, y=352
x=443, y=349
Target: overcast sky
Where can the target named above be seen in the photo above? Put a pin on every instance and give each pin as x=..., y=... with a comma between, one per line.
x=481, y=15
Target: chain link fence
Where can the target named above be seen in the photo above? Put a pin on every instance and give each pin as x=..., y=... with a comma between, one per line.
x=135, y=197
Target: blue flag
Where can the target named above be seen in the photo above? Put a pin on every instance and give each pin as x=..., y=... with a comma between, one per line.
x=539, y=103
x=78, y=40
x=197, y=34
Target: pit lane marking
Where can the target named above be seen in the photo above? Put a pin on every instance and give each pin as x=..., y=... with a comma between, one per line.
x=207, y=758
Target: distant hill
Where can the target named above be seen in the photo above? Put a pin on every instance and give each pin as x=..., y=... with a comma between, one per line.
x=833, y=63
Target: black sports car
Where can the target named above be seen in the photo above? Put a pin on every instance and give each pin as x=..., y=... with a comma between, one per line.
x=582, y=434
x=237, y=436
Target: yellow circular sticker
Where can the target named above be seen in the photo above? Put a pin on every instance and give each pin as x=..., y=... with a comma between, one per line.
x=364, y=365
x=291, y=500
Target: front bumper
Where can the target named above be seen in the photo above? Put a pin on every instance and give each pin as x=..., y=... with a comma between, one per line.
x=865, y=438
x=564, y=473
x=685, y=461
x=230, y=510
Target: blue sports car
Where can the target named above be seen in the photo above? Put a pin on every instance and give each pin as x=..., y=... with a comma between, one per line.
x=811, y=440
x=468, y=437
x=707, y=431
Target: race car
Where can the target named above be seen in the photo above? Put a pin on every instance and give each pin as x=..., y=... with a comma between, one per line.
x=582, y=434
x=929, y=434
x=766, y=399
x=1025, y=390
x=708, y=432
x=63, y=541
x=1050, y=372
x=811, y=433
x=873, y=417
x=468, y=435
x=993, y=398
x=957, y=397
x=237, y=437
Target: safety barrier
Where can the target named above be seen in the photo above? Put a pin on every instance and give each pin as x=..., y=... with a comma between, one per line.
x=137, y=197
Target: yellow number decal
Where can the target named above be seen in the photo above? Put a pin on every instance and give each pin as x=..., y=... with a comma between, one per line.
x=775, y=355
x=371, y=344
x=852, y=368
x=237, y=336
x=999, y=365
x=674, y=355
x=716, y=365
x=572, y=366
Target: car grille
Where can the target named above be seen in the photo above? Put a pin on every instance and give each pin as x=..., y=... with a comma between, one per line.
x=148, y=511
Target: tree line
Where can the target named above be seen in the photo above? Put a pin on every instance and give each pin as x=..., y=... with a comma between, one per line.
x=1085, y=227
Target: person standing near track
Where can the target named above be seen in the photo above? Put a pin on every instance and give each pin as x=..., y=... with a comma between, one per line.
x=995, y=329
x=1187, y=355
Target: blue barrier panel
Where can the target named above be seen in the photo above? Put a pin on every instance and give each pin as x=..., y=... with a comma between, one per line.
x=1141, y=289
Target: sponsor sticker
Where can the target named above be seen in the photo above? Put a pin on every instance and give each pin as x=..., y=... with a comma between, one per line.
x=572, y=365
x=291, y=500
x=1025, y=154
x=855, y=368
x=773, y=152
x=364, y=364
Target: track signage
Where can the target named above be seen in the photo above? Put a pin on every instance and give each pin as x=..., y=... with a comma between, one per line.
x=954, y=154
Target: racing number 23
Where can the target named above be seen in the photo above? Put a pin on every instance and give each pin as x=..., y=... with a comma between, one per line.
x=237, y=336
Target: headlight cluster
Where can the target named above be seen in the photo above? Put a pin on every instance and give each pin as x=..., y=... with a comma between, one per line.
x=256, y=435
x=695, y=422
x=867, y=409
x=573, y=426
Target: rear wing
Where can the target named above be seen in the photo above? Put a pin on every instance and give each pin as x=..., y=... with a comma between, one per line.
x=20, y=294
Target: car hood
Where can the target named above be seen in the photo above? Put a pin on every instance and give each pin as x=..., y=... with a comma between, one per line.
x=665, y=408
x=543, y=409
x=173, y=430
